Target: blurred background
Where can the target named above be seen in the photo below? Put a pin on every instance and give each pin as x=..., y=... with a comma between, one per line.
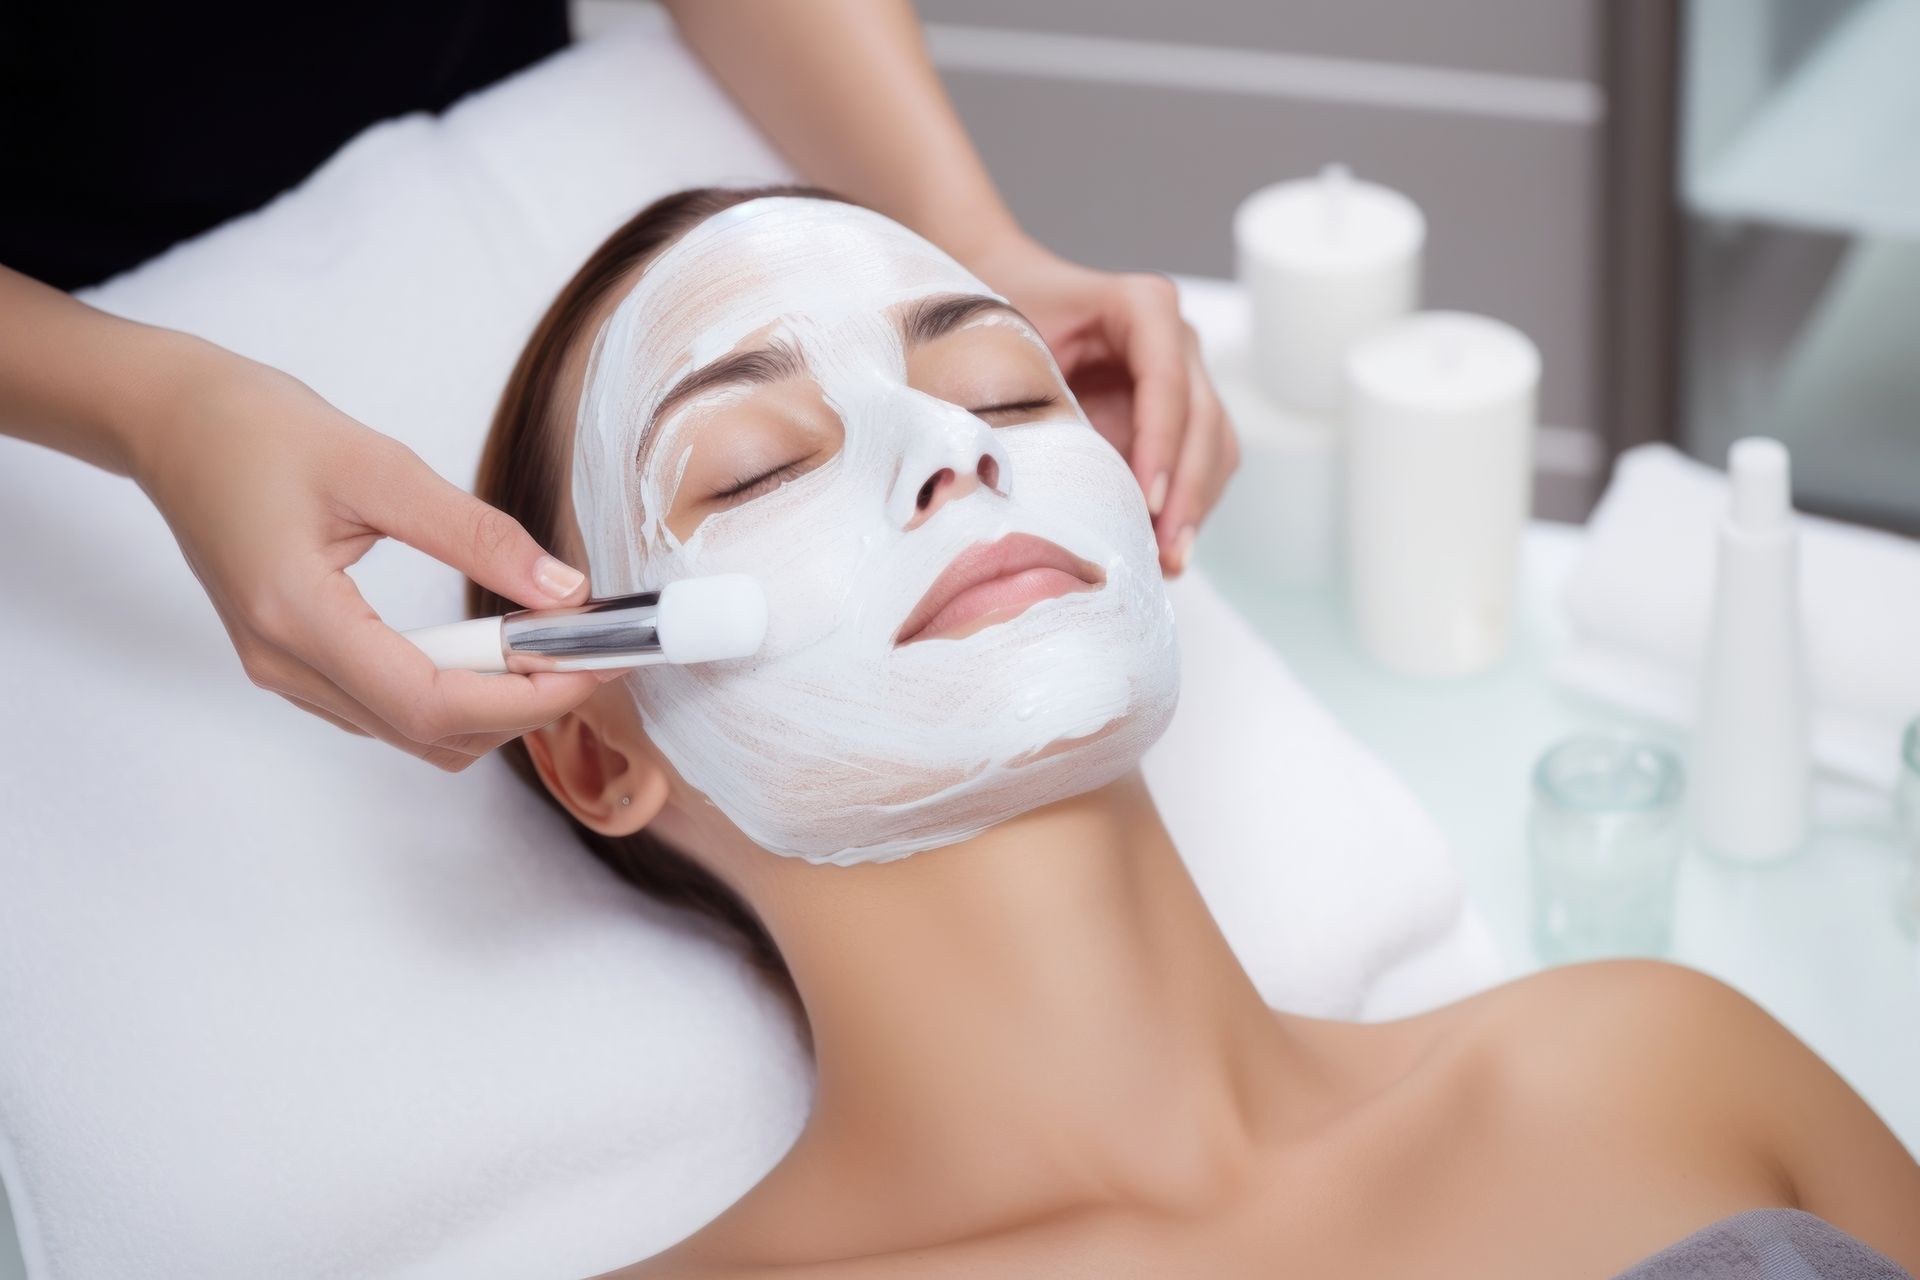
x=1705, y=212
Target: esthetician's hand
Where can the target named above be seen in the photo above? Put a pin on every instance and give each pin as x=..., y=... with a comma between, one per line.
x=1134, y=365
x=847, y=91
x=272, y=493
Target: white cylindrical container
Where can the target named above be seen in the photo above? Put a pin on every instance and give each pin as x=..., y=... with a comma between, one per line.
x=1753, y=761
x=1281, y=511
x=1440, y=423
x=1325, y=261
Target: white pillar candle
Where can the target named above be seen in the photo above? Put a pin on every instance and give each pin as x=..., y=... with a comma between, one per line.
x=1326, y=261
x=1440, y=421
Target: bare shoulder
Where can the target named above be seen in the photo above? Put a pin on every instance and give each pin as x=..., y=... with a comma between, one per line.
x=1642, y=1042
x=1663, y=1039
x=1669, y=1005
x=1671, y=1050
x=1559, y=1018
x=1636, y=1025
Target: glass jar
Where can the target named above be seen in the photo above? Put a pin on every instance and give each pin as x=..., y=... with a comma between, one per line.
x=1604, y=835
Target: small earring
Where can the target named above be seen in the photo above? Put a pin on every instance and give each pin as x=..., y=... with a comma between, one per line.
x=626, y=799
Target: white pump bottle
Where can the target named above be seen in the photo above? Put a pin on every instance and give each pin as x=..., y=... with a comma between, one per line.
x=1753, y=768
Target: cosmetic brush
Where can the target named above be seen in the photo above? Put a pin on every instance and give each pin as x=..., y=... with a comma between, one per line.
x=692, y=620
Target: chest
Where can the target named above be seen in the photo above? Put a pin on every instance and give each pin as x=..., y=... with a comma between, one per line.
x=1440, y=1191
x=1450, y=1195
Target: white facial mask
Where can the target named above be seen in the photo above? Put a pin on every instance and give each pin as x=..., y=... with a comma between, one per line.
x=832, y=744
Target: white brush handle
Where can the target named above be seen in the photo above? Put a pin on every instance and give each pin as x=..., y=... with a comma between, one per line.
x=473, y=645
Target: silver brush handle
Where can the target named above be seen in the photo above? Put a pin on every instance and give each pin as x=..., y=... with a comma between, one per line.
x=617, y=631
x=705, y=619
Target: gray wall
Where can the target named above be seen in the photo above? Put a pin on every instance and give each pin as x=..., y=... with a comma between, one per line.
x=1518, y=37
x=1124, y=132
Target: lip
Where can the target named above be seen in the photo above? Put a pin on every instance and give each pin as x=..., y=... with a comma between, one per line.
x=990, y=582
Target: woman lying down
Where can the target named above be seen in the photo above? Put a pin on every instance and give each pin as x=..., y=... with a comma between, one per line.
x=1036, y=1054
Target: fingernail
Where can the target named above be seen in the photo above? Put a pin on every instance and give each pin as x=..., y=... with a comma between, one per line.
x=1182, y=547
x=556, y=579
x=612, y=673
x=1157, y=496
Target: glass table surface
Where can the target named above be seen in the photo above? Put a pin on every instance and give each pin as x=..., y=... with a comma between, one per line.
x=1816, y=940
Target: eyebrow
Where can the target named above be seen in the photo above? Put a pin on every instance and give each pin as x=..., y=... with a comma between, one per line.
x=772, y=363
x=936, y=317
x=927, y=320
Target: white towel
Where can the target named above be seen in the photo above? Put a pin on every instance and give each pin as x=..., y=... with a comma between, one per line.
x=275, y=1002
x=1320, y=865
x=1639, y=603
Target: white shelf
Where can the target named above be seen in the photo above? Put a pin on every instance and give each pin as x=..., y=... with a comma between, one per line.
x=1837, y=146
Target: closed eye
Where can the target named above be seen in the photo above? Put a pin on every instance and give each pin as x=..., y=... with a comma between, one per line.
x=767, y=481
x=762, y=483
x=1015, y=406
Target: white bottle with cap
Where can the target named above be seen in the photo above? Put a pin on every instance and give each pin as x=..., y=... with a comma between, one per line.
x=1753, y=761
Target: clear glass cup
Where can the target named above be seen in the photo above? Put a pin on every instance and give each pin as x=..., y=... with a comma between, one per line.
x=1605, y=835
x=1908, y=813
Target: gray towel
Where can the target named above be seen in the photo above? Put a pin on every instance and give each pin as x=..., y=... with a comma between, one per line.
x=1768, y=1244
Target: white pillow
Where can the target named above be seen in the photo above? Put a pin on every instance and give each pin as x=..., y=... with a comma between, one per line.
x=278, y=1002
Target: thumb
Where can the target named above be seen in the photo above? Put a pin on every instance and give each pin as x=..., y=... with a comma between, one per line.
x=416, y=504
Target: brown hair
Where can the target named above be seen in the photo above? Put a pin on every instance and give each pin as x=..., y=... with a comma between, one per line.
x=521, y=473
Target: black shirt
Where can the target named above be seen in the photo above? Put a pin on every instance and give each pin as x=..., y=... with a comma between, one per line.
x=125, y=127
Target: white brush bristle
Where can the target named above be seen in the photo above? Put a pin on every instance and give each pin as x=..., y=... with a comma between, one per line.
x=707, y=619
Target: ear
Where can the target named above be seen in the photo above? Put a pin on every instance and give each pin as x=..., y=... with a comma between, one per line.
x=589, y=760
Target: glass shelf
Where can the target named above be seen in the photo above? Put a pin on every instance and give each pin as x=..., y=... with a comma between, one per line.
x=1833, y=145
x=1800, y=179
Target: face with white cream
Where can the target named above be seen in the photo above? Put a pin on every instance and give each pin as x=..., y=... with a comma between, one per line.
x=806, y=391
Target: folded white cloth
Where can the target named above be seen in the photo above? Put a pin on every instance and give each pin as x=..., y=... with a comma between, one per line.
x=274, y=1002
x=1640, y=599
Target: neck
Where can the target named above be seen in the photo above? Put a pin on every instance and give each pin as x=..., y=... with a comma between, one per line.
x=1043, y=1016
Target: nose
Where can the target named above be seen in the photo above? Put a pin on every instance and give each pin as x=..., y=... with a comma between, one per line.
x=944, y=486
x=949, y=454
